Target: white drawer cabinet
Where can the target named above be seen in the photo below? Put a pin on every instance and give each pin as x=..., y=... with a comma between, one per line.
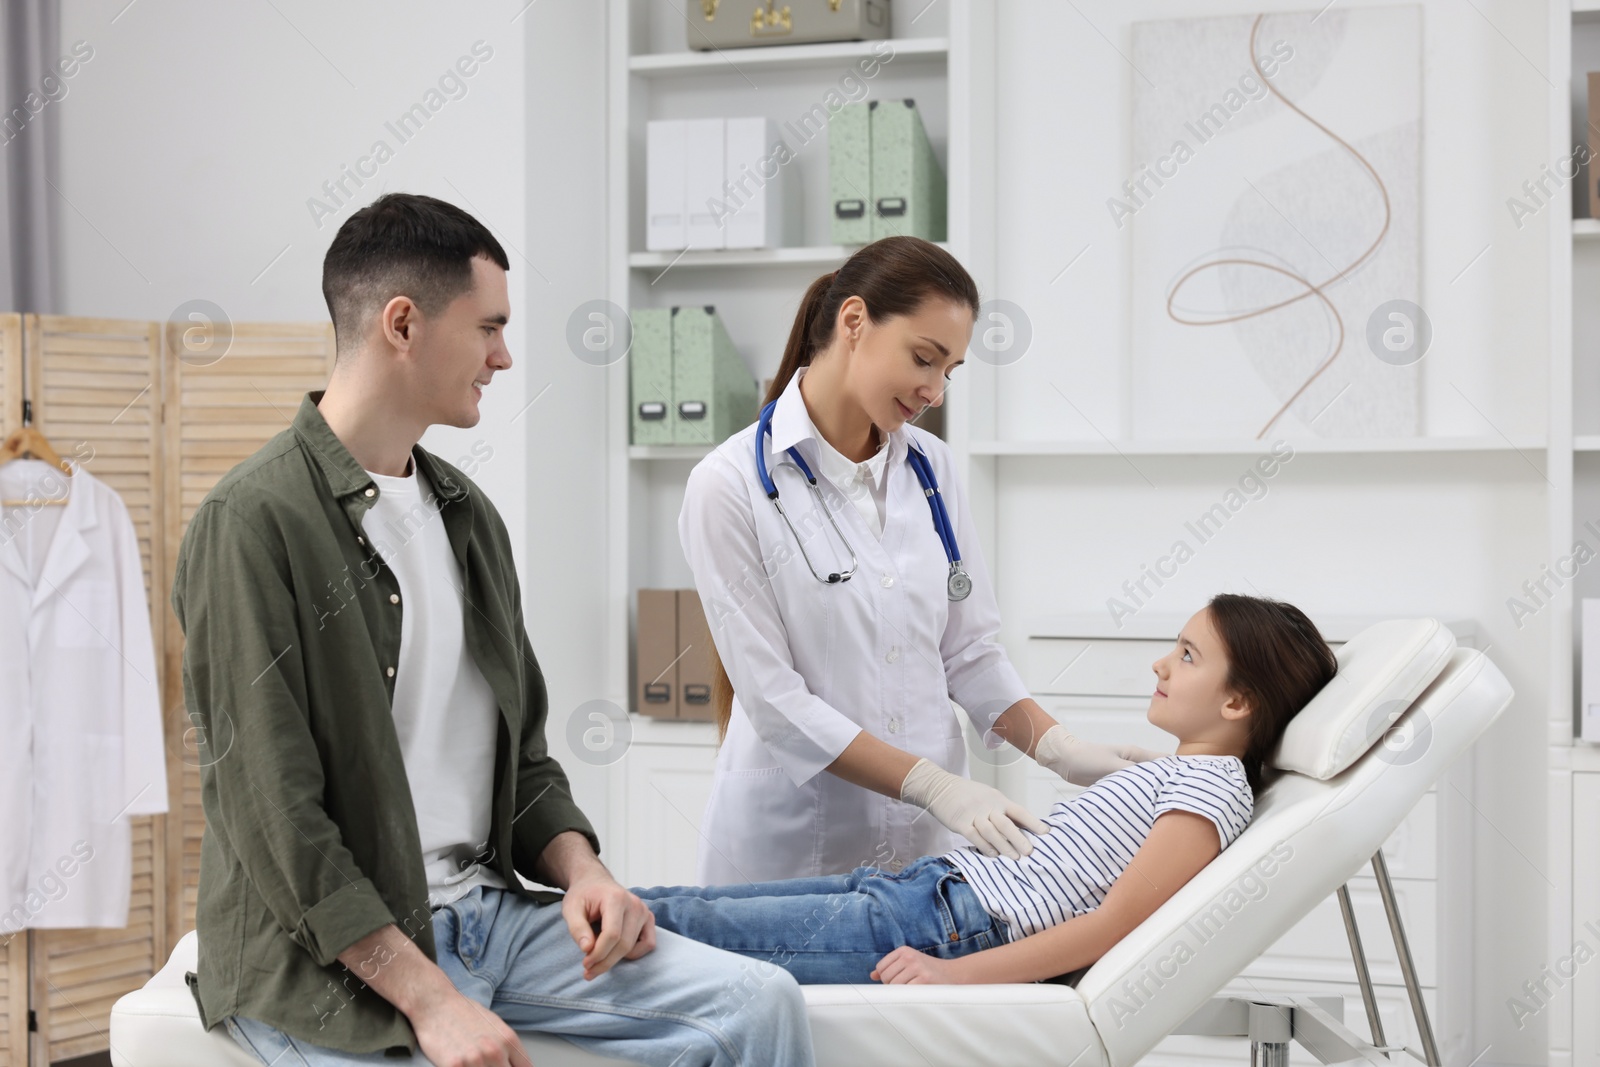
x=659, y=793
x=1092, y=667
x=1316, y=948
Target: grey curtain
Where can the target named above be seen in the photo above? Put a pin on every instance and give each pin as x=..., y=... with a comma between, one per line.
x=30, y=46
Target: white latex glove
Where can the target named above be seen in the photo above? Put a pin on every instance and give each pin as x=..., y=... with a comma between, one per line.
x=980, y=813
x=1085, y=762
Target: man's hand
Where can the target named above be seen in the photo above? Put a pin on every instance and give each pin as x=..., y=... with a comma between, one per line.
x=906, y=966
x=607, y=922
x=453, y=1031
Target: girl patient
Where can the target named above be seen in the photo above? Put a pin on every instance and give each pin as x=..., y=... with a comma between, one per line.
x=1240, y=670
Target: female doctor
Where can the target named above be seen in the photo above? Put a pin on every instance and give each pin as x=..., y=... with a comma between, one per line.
x=849, y=610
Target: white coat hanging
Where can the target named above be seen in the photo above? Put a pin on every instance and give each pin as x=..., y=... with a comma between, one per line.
x=81, y=749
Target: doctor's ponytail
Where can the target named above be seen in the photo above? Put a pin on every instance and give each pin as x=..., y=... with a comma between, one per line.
x=797, y=352
x=893, y=277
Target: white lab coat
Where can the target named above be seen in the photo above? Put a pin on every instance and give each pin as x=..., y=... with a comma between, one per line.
x=815, y=664
x=80, y=711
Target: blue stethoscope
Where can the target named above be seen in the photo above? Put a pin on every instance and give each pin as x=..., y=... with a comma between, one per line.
x=959, y=583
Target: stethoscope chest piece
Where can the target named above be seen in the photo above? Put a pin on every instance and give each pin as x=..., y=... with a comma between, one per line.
x=960, y=583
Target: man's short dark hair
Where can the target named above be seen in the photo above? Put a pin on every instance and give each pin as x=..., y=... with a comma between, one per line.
x=402, y=244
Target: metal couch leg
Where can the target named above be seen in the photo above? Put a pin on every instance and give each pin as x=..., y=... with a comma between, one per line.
x=1408, y=969
x=1368, y=999
x=1270, y=1033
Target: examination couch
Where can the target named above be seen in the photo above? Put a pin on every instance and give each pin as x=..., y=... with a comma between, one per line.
x=1406, y=704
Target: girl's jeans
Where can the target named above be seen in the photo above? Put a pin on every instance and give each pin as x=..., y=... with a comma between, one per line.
x=834, y=929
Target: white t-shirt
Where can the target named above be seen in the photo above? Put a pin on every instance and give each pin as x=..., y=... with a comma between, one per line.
x=444, y=710
x=1093, y=838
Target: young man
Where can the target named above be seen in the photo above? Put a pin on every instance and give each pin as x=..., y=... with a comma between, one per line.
x=373, y=722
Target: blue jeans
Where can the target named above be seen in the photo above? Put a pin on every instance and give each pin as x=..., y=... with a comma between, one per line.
x=834, y=929
x=684, y=1003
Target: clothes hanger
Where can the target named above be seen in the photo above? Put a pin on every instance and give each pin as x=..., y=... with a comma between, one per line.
x=28, y=441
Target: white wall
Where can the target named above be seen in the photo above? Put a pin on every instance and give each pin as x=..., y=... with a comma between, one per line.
x=194, y=137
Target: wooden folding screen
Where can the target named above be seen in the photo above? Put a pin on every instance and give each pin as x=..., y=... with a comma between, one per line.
x=95, y=389
x=160, y=415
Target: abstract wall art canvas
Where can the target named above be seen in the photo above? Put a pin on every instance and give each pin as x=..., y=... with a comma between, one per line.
x=1272, y=198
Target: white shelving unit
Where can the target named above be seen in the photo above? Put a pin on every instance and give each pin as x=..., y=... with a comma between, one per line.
x=782, y=57
x=1573, y=782
x=943, y=58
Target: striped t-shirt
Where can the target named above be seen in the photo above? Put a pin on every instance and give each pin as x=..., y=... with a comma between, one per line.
x=1093, y=838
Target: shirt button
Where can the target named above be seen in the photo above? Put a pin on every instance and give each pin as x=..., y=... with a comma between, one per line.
x=372, y=492
x=894, y=654
x=394, y=598
x=888, y=581
x=391, y=672
x=894, y=726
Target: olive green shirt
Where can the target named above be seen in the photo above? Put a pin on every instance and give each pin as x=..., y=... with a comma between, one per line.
x=292, y=639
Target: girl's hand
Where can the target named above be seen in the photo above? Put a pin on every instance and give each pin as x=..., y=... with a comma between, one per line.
x=906, y=966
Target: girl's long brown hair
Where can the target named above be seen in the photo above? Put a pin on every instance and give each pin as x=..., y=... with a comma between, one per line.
x=893, y=277
x=1277, y=661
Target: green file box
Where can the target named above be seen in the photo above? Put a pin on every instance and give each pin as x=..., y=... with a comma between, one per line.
x=713, y=394
x=908, y=187
x=850, y=174
x=650, y=376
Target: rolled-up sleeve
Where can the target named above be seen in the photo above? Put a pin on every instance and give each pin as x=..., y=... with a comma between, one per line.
x=803, y=732
x=979, y=673
x=246, y=691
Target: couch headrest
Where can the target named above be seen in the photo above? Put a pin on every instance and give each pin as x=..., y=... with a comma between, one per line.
x=1381, y=671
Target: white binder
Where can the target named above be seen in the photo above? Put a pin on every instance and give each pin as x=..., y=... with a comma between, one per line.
x=757, y=186
x=665, y=225
x=704, y=153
